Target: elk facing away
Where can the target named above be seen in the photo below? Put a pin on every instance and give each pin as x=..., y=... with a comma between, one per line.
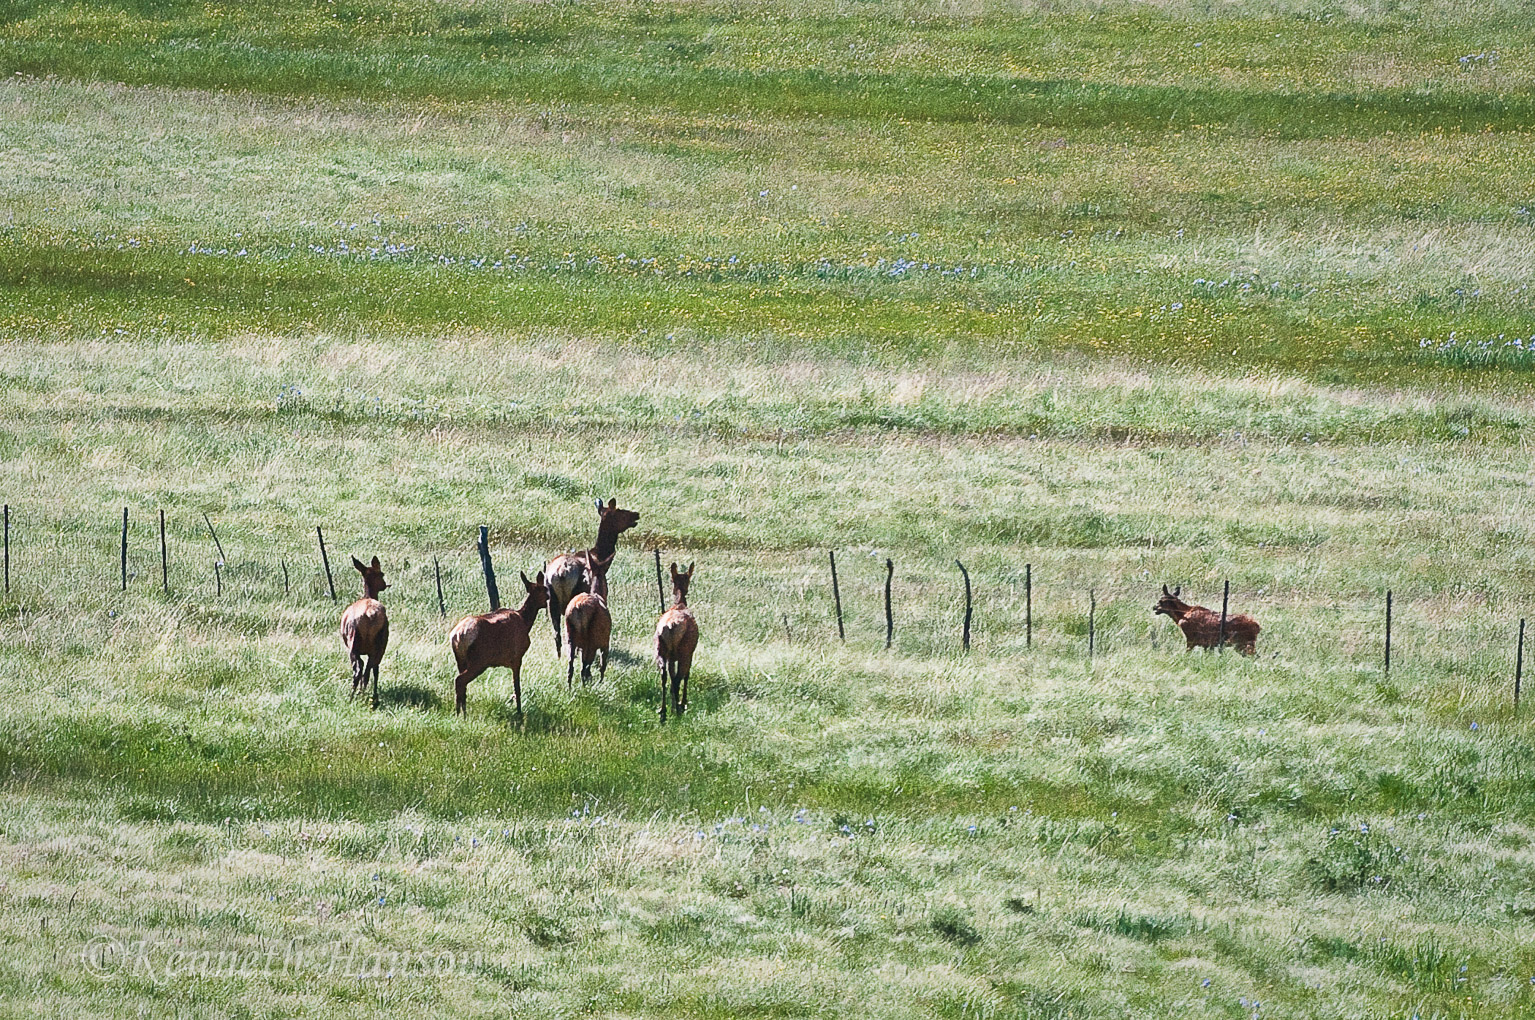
x=365, y=628
x=498, y=638
x=676, y=640
x=588, y=624
x=569, y=574
x=1202, y=627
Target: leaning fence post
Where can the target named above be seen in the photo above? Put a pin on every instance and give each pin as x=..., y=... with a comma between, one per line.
x=216, y=543
x=1028, y=605
x=1220, y=644
x=490, y=572
x=284, y=564
x=165, y=563
x=660, y=587
x=1519, y=664
x=965, y=638
x=1388, y=632
x=7, y=548
x=836, y=594
x=325, y=559
x=125, y=549
x=218, y=578
x=1092, y=613
x=442, y=607
x=889, y=618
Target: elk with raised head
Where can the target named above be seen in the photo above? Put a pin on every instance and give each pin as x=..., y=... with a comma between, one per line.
x=498, y=638
x=365, y=627
x=569, y=574
x=676, y=640
x=1202, y=627
x=588, y=624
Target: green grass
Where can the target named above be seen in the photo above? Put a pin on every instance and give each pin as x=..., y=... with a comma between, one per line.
x=1051, y=288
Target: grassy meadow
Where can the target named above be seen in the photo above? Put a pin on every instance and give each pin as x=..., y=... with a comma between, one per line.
x=1114, y=294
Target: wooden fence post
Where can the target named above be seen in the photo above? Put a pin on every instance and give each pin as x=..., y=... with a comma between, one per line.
x=216, y=543
x=889, y=618
x=325, y=559
x=965, y=637
x=836, y=594
x=7, y=548
x=1028, y=605
x=284, y=564
x=1519, y=664
x=1092, y=613
x=442, y=607
x=490, y=572
x=1220, y=644
x=660, y=585
x=125, y=549
x=165, y=562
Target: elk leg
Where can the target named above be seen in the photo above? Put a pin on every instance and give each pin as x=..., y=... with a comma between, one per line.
x=373, y=666
x=662, y=665
x=356, y=672
x=603, y=674
x=570, y=673
x=461, y=690
x=556, y=617
x=685, y=667
x=517, y=686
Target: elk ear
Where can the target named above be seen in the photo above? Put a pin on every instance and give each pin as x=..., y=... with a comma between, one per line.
x=690, y=568
x=1178, y=591
x=612, y=504
x=599, y=506
x=376, y=564
x=358, y=564
x=1166, y=592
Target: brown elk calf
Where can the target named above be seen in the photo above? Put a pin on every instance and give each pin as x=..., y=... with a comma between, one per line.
x=676, y=640
x=569, y=574
x=1202, y=627
x=588, y=624
x=365, y=628
x=499, y=638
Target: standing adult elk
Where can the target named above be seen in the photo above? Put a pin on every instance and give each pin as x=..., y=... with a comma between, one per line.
x=365, y=627
x=569, y=574
x=1202, y=627
x=498, y=638
x=676, y=640
x=588, y=624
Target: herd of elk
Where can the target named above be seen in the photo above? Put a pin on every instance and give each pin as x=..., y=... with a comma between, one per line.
x=1201, y=627
x=575, y=589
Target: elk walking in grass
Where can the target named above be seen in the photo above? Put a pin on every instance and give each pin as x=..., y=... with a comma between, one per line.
x=365, y=627
x=498, y=638
x=676, y=640
x=569, y=574
x=1202, y=627
x=588, y=624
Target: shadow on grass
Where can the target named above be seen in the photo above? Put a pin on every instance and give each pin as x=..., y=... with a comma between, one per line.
x=415, y=696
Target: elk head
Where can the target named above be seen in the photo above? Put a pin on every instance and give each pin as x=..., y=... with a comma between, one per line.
x=372, y=576
x=1170, y=605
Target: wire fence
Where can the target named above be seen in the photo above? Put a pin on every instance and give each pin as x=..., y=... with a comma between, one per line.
x=868, y=599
